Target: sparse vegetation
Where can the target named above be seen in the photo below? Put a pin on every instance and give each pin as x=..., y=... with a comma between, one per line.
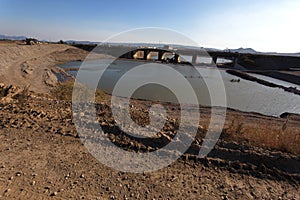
x=64, y=90
x=3, y=92
x=234, y=130
x=23, y=95
x=273, y=135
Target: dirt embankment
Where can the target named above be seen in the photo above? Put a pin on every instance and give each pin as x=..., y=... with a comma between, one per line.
x=35, y=64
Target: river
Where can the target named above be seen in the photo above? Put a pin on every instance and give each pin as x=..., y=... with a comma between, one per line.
x=243, y=95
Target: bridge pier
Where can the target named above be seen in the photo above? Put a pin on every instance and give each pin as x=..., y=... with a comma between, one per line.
x=234, y=62
x=145, y=54
x=131, y=54
x=194, y=59
x=176, y=58
x=160, y=55
x=214, y=60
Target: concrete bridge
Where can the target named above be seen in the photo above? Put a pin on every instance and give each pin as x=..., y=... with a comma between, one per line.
x=163, y=54
x=239, y=60
x=153, y=54
x=177, y=56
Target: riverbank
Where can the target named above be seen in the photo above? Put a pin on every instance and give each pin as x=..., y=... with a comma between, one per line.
x=246, y=76
x=42, y=156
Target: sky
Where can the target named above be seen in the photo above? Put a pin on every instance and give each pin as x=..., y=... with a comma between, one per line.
x=264, y=25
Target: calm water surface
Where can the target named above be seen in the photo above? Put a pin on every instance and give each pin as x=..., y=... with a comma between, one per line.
x=244, y=95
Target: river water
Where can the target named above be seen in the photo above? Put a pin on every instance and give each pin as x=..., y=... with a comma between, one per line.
x=243, y=95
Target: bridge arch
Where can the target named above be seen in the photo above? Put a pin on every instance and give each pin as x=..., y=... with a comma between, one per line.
x=153, y=54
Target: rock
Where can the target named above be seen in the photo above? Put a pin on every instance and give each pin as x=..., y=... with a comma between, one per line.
x=26, y=68
x=6, y=100
x=18, y=173
x=7, y=190
x=53, y=194
x=47, y=187
x=50, y=79
x=10, y=94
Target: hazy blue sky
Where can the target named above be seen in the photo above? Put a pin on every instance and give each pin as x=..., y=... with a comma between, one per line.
x=265, y=25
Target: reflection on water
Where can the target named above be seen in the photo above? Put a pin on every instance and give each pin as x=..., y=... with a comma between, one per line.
x=244, y=95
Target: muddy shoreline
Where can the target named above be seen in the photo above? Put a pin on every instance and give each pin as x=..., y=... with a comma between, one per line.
x=281, y=76
x=263, y=82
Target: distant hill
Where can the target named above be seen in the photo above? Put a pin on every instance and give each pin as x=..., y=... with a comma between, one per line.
x=5, y=37
x=244, y=50
x=79, y=42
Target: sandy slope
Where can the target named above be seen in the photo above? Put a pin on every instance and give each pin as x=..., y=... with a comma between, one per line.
x=22, y=64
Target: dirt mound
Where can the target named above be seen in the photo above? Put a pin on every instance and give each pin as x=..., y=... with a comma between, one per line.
x=34, y=64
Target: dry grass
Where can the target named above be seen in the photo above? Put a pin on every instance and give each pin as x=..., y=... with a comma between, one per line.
x=63, y=91
x=22, y=97
x=267, y=135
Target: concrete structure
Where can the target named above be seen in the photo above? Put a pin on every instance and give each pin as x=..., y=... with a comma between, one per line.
x=175, y=56
x=152, y=54
x=247, y=61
